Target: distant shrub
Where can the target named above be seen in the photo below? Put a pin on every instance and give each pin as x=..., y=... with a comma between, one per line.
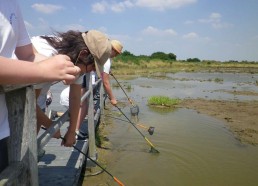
x=163, y=56
x=193, y=60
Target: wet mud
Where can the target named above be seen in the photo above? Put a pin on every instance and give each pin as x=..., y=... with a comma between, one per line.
x=239, y=116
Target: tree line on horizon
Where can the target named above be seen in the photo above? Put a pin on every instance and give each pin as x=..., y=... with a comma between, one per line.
x=127, y=56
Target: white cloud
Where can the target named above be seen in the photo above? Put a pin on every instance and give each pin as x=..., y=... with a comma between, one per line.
x=46, y=8
x=99, y=7
x=103, y=6
x=170, y=32
x=117, y=7
x=191, y=35
x=74, y=27
x=164, y=4
x=121, y=6
x=158, y=32
x=215, y=21
x=215, y=16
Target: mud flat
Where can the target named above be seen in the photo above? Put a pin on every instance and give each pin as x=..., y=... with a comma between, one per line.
x=240, y=117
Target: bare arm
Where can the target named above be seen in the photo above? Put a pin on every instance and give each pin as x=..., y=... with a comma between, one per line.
x=83, y=110
x=106, y=83
x=42, y=118
x=13, y=71
x=74, y=106
x=29, y=53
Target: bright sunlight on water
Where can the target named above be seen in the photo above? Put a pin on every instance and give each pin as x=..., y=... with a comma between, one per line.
x=195, y=149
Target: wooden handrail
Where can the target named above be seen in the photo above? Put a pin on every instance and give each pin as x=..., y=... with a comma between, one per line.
x=22, y=147
x=11, y=173
x=8, y=88
x=23, y=142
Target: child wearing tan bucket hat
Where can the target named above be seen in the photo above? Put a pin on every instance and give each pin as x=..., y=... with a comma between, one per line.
x=99, y=46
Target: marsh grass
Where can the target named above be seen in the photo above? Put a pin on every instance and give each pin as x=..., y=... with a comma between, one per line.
x=162, y=101
x=149, y=67
x=115, y=85
x=218, y=80
x=128, y=87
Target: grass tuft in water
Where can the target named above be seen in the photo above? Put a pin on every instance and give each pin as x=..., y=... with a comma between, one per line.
x=162, y=101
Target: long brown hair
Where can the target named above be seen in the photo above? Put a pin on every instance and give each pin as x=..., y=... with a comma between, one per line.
x=69, y=43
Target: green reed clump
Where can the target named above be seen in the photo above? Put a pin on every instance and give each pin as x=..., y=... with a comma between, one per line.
x=128, y=87
x=163, y=101
x=218, y=80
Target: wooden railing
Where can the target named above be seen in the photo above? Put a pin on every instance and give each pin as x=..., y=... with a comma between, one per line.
x=23, y=143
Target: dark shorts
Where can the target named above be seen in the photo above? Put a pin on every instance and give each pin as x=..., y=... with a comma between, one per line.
x=3, y=154
x=84, y=82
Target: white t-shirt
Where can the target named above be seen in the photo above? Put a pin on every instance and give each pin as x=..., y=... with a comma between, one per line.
x=107, y=66
x=45, y=49
x=12, y=34
x=64, y=97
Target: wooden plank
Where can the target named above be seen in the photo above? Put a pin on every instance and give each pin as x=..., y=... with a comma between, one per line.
x=61, y=165
x=9, y=176
x=22, y=143
x=91, y=126
x=9, y=88
x=48, y=134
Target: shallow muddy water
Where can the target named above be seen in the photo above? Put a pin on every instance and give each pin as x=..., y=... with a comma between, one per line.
x=195, y=149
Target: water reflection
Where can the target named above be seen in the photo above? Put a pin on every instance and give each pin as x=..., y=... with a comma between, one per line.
x=195, y=85
x=195, y=149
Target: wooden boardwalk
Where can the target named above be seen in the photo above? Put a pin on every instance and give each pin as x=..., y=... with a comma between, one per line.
x=63, y=165
x=60, y=165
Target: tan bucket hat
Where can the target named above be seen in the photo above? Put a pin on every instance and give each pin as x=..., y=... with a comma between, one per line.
x=99, y=46
x=117, y=46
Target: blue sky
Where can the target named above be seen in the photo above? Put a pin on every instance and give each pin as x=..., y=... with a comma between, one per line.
x=207, y=29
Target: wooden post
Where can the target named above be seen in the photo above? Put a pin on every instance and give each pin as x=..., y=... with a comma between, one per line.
x=21, y=105
x=91, y=125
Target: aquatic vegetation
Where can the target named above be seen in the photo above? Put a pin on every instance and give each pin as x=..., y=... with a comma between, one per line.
x=114, y=85
x=128, y=87
x=218, y=80
x=163, y=101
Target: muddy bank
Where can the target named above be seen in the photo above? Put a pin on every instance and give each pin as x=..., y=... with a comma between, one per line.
x=240, y=117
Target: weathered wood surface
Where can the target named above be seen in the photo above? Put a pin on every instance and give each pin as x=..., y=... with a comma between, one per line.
x=9, y=175
x=8, y=88
x=22, y=143
x=91, y=126
x=63, y=165
x=60, y=165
